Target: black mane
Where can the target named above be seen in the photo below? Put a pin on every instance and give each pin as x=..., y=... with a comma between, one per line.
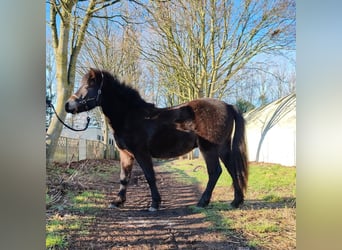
x=125, y=94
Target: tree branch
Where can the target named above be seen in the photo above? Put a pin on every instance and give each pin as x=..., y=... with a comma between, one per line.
x=104, y=5
x=53, y=26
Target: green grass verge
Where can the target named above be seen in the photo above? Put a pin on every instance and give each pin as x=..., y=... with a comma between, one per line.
x=264, y=178
x=73, y=213
x=269, y=209
x=83, y=208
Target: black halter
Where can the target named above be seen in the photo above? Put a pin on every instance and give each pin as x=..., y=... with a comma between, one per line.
x=88, y=100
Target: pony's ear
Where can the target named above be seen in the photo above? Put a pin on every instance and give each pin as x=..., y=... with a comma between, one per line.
x=92, y=73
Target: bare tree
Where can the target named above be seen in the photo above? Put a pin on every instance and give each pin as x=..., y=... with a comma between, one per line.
x=260, y=83
x=68, y=21
x=200, y=45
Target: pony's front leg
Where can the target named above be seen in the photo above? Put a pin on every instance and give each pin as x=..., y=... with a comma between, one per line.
x=126, y=162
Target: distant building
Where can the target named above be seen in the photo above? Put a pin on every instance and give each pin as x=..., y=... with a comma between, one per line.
x=93, y=132
x=271, y=132
x=90, y=143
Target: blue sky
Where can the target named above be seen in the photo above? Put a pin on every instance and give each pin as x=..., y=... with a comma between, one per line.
x=292, y=55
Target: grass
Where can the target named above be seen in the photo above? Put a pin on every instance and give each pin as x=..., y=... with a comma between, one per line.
x=262, y=178
x=59, y=227
x=55, y=241
x=86, y=202
x=84, y=206
x=267, y=219
x=53, y=236
x=77, y=208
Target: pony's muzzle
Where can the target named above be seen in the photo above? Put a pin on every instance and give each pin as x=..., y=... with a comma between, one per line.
x=71, y=106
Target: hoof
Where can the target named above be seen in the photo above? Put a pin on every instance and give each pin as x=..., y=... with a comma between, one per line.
x=154, y=206
x=152, y=209
x=202, y=204
x=113, y=206
x=116, y=205
x=236, y=204
x=117, y=202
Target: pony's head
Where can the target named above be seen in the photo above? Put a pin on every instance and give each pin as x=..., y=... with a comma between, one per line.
x=88, y=95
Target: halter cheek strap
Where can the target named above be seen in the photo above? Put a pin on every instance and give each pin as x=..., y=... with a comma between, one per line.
x=99, y=91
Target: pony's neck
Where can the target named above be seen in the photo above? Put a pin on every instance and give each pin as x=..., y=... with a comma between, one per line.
x=119, y=100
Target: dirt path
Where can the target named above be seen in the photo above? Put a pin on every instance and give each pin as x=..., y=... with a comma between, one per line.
x=132, y=227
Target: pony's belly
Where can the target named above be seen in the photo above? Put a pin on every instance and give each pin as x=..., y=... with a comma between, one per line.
x=172, y=143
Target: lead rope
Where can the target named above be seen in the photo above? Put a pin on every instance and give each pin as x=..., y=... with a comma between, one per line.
x=48, y=102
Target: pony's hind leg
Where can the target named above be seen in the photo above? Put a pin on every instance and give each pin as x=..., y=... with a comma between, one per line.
x=211, y=157
x=227, y=159
x=126, y=162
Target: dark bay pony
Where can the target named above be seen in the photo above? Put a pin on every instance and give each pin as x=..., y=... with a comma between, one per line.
x=143, y=131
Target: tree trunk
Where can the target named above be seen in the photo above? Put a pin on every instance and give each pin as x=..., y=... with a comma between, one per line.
x=64, y=87
x=65, y=65
x=64, y=92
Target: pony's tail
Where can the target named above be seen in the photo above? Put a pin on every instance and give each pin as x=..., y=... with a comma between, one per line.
x=239, y=150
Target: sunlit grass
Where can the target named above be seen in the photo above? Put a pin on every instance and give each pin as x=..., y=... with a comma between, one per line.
x=53, y=241
x=78, y=204
x=89, y=202
x=265, y=180
x=269, y=208
x=54, y=232
x=272, y=178
x=58, y=227
x=195, y=171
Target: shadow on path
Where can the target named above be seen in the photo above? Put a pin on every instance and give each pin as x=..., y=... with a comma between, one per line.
x=174, y=226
